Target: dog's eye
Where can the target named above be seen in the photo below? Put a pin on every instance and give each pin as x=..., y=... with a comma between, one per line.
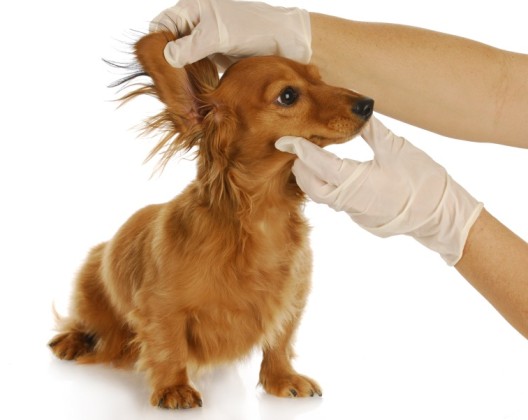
x=288, y=96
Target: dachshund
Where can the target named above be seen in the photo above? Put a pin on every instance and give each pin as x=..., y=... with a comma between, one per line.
x=225, y=266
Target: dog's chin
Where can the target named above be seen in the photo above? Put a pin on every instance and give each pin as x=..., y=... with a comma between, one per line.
x=321, y=141
x=326, y=141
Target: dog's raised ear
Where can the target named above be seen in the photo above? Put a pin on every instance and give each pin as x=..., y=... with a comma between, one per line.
x=180, y=89
x=194, y=114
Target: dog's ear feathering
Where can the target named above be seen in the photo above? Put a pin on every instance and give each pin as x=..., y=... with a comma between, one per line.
x=185, y=92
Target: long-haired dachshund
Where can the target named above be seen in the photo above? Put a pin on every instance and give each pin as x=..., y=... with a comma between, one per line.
x=225, y=266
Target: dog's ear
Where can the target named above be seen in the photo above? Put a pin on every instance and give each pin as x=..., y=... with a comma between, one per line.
x=180, y=89
x=195, y=114
x=219, y=128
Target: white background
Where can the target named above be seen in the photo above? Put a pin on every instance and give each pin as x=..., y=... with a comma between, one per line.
x=390, y=331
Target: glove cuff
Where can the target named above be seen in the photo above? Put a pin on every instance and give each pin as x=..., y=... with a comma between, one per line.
x=297, y=45
x=449, y=226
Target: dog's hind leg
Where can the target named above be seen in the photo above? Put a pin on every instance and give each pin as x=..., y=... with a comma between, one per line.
x=93, y=333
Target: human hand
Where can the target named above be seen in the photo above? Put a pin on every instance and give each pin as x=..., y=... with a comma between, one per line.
x=227, y=30
x=401, y=191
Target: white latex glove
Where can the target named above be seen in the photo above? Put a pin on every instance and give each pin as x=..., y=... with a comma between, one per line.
x=226, y=30
x=401, y=191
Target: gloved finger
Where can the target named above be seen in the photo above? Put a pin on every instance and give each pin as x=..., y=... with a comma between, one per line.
x=317, y=189
x=288, y=144
x=179, y=19
x=324, y=165
x=189, y=49
x=179, y=24
x=382, y=141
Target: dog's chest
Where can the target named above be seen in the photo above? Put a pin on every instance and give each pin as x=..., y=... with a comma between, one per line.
x=253, y=296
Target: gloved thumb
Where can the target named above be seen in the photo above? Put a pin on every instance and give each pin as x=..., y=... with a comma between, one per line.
x=381, y=140
x=188, y=49
x=326, y=166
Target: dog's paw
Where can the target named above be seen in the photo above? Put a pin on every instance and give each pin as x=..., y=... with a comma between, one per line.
x=72, y=345
x=291, y=385
x=176, y=397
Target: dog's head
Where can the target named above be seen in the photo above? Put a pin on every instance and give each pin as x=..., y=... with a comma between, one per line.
x=234, y=122
x=274, y=96
x=258, y=100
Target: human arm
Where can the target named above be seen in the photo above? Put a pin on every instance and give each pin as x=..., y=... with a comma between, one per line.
x=495, y=262
x=443, y=83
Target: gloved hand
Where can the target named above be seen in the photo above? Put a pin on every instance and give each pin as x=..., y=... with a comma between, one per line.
x=226, y=30
x=401, y=191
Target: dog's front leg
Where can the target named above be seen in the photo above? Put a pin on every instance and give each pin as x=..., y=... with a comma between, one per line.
x=277, y=375
x=164, y=355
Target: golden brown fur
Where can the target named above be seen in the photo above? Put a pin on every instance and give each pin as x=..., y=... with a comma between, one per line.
x=225, y=266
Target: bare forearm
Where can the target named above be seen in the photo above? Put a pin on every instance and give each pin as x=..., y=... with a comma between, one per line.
x=495, y=262
x=453, y=86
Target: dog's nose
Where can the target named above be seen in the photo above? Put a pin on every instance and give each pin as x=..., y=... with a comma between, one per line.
x=363, y=108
